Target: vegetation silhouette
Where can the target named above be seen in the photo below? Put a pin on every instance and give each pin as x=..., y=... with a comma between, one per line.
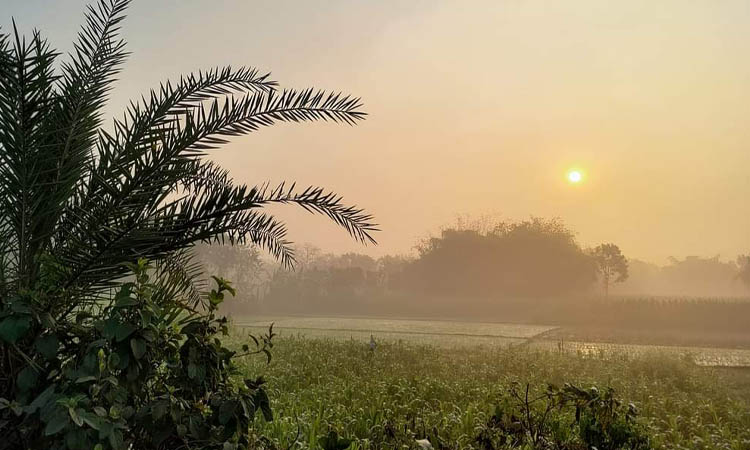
x=692, y=301
x=530, y=258
x=611, y=264
x=107, y=341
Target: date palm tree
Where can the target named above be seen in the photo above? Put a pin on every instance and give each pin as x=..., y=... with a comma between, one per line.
x=80, y=203
x=77, y=200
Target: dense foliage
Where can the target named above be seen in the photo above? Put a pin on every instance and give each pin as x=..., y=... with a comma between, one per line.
x=530, y=258
x=148, y=374
x=96, y=350
x=527, y=259
x=458, y=397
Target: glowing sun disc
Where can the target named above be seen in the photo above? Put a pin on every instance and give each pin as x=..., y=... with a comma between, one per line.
x=575, y=176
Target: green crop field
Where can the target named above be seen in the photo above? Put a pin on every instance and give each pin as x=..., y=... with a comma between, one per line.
x=470, y=334
x=449, y=387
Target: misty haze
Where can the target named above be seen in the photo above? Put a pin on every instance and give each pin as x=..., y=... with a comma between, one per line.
x=335, y=225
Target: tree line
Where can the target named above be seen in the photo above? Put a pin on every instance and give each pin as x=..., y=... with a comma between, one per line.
x=503, y=266
x=526, y=259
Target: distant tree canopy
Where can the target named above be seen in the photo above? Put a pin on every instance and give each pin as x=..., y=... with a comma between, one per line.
x=324, y=280
x=481, y=267
x=743, y=269
x=535, y=257
x=693, y=276
x=482, y=260
x=241, y=263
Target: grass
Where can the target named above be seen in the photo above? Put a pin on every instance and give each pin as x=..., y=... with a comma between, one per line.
x=404, y=391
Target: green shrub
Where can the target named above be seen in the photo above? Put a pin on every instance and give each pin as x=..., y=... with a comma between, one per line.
x=147, y=372
x=567, y=418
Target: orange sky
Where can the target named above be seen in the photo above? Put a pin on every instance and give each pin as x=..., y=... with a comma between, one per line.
x=480, y=107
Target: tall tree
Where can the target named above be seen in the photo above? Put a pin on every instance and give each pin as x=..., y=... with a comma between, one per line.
x=530, y=258
x=611, y=264
x=80, y=204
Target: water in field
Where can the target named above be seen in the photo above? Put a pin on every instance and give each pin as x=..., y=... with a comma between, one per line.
x=457, y=333
x=723, y=357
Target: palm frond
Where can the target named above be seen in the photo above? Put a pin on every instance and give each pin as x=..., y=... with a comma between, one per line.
x=90, y=200
x=70, y=125
x=130, y=168
x=26, y=97
x=179, y=276
x=144, y=124
x=210, y=185
x=313, y=199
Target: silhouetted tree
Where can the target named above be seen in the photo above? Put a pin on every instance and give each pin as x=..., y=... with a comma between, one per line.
x=80, y=205
x=535, y=257
x=611, y=264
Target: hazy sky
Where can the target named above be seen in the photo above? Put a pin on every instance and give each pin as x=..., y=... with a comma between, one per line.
x=480, y=107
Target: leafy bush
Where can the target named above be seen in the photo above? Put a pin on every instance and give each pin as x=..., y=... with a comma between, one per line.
x=95, y=351
x=149, y=373
x=563, y=418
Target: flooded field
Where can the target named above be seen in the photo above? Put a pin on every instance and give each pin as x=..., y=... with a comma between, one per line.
x=457, y=333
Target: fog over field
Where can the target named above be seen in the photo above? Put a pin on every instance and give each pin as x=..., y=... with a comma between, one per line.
x=374, y=225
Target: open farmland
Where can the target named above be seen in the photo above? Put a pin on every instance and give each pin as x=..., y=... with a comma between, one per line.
x=452, y=395
x=467, y=334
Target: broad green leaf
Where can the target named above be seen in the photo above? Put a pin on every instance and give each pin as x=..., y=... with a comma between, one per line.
x=42, y=399
x=108, y=328
x=123, y=330
x=27, y=379
x=86, y=379
x=47, y=345
x=116, y=440
x=93, y=420
x=123, y=351
x=59, y=420
x=13, y=328
x=105, y=429
x=215, y=298
x=74, y=415
x=138, y=346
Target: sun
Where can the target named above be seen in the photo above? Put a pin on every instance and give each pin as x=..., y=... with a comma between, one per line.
x=575, y=176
